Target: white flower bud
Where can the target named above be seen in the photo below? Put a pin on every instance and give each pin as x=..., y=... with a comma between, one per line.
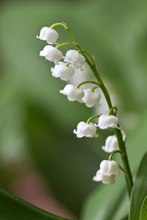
x=74, y=58
x=111, y=144
x=91, y=97
x=48, y=34
x=73, y=93
x=107, y=121
x=51, y=53
x=109, y=169
x=62, y=71
x=85, y=130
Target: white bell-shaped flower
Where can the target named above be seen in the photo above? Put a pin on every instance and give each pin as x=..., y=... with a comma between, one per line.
x=91, y=98
x=85, y=130
x=73, y=93
x=109, y=169
x=51, y=53
x=107, y=121
x=74, y=58
x=49, y=35
x=62, y=71
x=111, y=144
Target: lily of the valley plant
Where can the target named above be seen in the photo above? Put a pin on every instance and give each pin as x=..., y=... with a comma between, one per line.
x=65, y=67
x=69, y=66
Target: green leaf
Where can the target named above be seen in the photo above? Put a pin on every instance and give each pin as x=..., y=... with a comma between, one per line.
x=12, y=208
x=143, y=212
x=139, y=190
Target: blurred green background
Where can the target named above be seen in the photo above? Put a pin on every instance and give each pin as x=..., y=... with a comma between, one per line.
x=36, y=122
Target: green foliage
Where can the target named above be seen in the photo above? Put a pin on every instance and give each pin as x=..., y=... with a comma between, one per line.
x=143, y=211
x=139, y=193
x=33, y=114
x=12, y=208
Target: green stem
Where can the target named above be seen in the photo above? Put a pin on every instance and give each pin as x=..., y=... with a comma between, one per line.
x=113, y=110
x=125, y=160
x=103, y=88
x=91, y=118
x=64, y=44
x=124, y=157
x=87, y=82
x=115, y=152
x=95, y=87
x=91, y=58
x=64, y=25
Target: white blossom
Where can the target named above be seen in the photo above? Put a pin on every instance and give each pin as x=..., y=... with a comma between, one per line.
x=73, y=93
x=81, y=75
x=91, y=97
x=85, y=130
x=51, y=53
x=109, y=169
x=74, y=58
x=49, y=35
x=111, y=144
x=62, y=71
x=107, y=121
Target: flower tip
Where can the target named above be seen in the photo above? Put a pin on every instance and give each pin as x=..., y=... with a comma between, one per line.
x=61, y=91
x=41, y=54
x=74, y=131
x=94, y=178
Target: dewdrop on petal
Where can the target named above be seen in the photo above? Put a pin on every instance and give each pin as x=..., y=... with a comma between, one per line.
x=91, y=98
x=74, y=58
x=49, y=35
x=107, y=121
x=111, y=144
x=109, y=169
x=51, y=53
x=85, y=130
x=73, y=93
x=62, y=71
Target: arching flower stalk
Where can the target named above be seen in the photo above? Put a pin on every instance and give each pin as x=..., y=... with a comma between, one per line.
x=65, y=68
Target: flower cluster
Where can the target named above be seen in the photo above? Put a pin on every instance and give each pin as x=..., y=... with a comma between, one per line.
x=109, y=169
x=64, y=68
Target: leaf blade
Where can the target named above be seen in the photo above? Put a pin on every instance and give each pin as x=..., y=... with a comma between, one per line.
x=143, y=212
x=139, y=191
x=12, y=208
